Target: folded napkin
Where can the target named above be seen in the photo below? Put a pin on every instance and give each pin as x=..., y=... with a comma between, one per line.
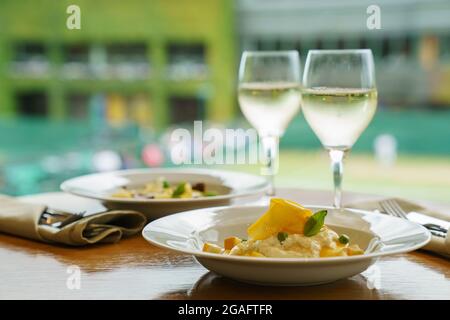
x=437, y=244
x=22, y=219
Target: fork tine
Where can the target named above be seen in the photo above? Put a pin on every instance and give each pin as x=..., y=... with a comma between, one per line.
x=57, y=212
x=393, y=208
x=387, y=207
x=396, y=208
x=399, y=209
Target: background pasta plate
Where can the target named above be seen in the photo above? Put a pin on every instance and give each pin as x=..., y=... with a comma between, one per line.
x=229, y=184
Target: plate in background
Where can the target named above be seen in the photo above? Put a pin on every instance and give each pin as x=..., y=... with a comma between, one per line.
x=101, y=186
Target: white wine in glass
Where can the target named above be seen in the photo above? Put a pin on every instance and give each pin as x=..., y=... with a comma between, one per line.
x=347, y=111
x=269, y=107
x=339, y=99
x=269, y=97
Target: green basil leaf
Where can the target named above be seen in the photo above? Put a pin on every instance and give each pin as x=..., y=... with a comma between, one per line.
x=209, y=194
x=315, y=223
x=166, y=184
x=179, y=190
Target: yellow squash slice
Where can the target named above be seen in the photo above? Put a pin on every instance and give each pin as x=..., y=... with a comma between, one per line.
x=254, y=254
x=283, y=215
x=212, y=248
x=330, y=252
x=354, y=250
x=230, y=242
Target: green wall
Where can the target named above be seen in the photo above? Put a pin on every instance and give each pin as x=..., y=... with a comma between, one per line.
x=156, y=23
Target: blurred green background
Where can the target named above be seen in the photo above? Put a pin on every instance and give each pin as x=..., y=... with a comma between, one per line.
x=106, y=96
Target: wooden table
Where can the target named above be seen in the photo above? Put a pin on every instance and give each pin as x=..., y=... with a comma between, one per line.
x=134, y=269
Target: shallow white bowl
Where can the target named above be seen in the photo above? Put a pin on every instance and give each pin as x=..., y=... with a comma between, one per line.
x=101, y=185
x=187, y=231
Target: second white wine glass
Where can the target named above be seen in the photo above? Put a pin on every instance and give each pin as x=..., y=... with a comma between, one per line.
x=339, y=99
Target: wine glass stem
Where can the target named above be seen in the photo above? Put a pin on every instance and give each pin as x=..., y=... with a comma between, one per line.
x=270, y=146
x=337, y=159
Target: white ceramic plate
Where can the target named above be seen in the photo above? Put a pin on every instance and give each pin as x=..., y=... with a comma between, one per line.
x=101, y=185
x=187, y=231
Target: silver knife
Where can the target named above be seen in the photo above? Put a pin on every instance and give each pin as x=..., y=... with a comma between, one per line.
x=437, y=226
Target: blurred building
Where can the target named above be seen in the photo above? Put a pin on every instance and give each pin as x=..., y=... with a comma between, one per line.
x=152, y=62
x=169, y=61
x=412, y=48
x=72, y=101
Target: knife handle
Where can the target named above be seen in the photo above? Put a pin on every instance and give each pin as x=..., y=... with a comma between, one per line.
x=435, y=227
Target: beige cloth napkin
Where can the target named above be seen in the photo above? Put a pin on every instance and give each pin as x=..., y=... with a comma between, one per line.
x=22, y=219
x=437, y=245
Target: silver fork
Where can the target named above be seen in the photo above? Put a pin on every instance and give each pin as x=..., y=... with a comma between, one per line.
x=392, y=208
x=58, y=218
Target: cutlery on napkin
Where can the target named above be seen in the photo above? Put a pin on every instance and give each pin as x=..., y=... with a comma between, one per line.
x=26, y=220
x=439, y=244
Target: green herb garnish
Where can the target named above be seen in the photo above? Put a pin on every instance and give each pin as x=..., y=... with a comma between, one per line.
x=344, y=239
x=282, y=236
x=209, y=193
x=166, y=184
x=179, y=190
x=315, y=223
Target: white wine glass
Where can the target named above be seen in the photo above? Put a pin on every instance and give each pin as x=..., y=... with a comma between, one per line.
x=339, y=99
x=269, y=97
